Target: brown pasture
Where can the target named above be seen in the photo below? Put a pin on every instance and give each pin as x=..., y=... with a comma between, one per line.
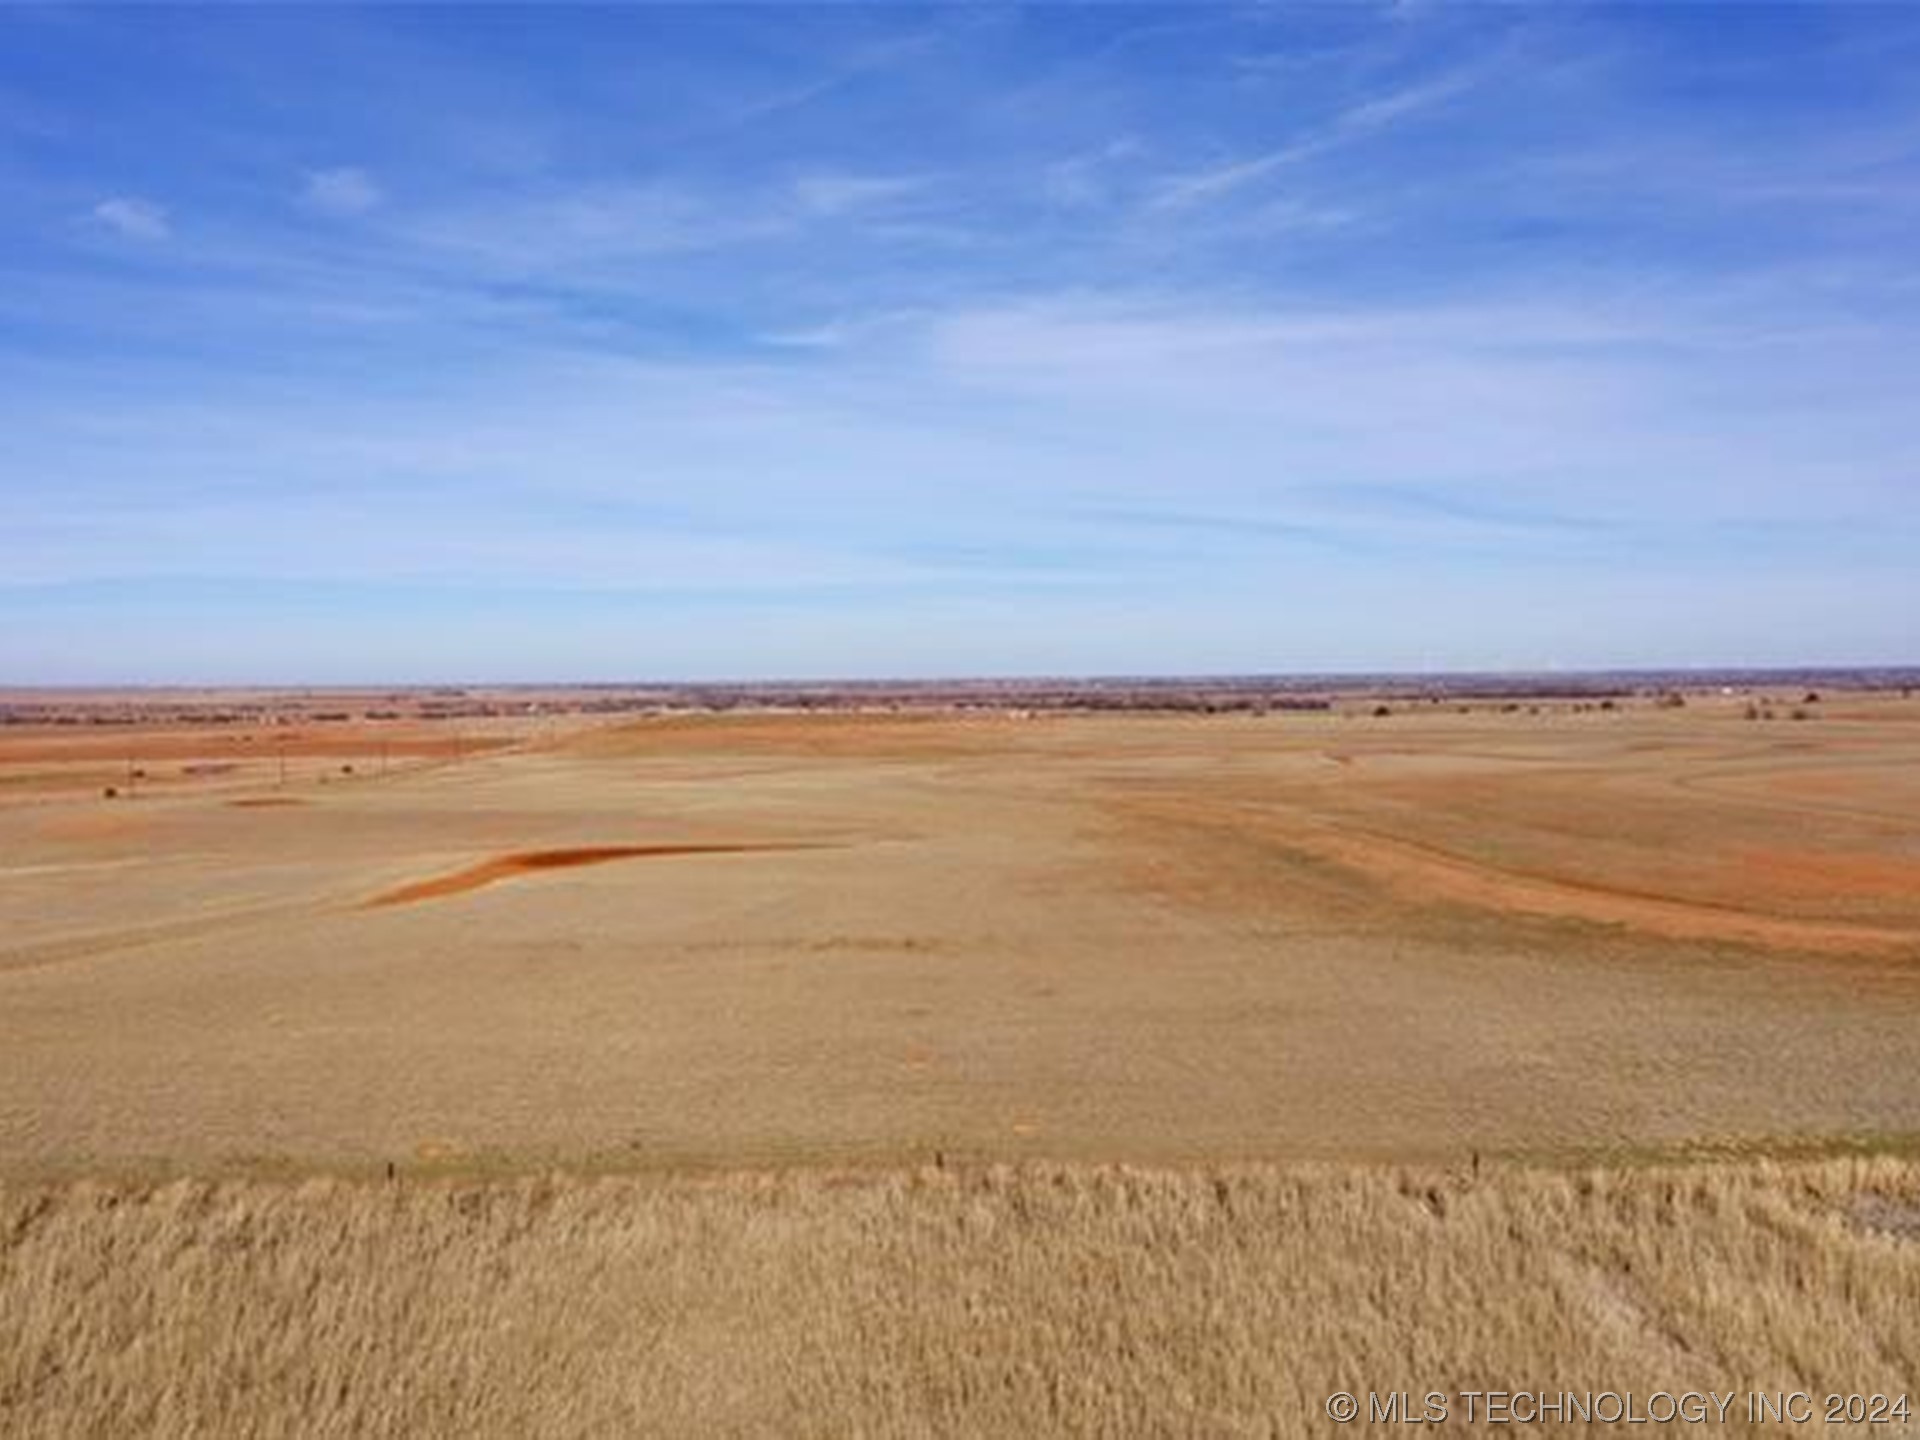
x=869, y=938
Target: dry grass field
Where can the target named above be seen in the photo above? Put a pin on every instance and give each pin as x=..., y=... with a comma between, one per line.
x=771, y=939
x=1044, y=1300
x=744, y=979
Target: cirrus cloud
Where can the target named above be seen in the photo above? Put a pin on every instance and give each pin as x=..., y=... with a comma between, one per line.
x=133, y=218
x=343, y=191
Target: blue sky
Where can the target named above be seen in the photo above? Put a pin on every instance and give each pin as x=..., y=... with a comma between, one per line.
x=455, y=343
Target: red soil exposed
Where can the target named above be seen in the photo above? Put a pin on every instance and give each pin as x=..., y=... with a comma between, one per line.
x=1420, y=872
x=1417, y=872
x=529, y=862
x=1812, y=875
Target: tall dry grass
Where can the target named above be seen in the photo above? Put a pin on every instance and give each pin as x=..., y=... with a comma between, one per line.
x=1002, y=1302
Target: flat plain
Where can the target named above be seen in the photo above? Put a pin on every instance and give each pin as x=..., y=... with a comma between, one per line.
x=953, y=1073
x=852, y=938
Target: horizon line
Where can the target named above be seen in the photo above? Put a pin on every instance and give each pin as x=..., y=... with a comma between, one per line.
x=1700, y=673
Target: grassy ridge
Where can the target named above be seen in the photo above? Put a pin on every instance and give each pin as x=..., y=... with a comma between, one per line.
x=1003, y=1301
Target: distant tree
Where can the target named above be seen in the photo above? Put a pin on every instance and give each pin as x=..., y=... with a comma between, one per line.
x=1382, y=711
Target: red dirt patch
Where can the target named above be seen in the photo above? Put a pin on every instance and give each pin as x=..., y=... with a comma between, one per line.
x=1422, y=872
x=529, y=862
x=1418, y=872
x=1814, y=875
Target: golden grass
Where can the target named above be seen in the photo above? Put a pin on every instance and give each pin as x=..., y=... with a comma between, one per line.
x=1000, y=1301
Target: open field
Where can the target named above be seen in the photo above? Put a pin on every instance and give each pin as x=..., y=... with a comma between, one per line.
x=947, y=1073
x=1044, y=1300
x=770, y=939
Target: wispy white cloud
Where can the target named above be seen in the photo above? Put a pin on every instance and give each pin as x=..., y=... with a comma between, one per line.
x=1196, y=187
x=579, y=226
x=832, y=335
x=874, y=330
x=1090, y=177
x=1356, y=122
x=1580, y=402
x=860, y=63
x=589, y=230
x=831, y=194
x=1173, y=448
x=347, y=190
x=134, y=218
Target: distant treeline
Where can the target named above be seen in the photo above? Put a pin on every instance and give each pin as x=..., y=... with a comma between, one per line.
x=1217, y=694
